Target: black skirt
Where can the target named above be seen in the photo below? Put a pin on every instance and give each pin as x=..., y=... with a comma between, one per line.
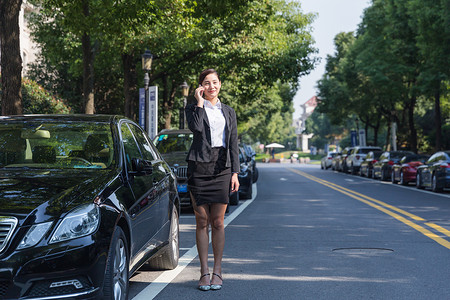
x=209, y=182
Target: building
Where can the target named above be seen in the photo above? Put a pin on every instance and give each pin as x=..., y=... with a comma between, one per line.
x=300, y=124
x=28, y=49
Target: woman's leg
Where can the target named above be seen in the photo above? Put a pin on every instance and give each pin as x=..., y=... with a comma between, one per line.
x=217, y=214
x=202, y=239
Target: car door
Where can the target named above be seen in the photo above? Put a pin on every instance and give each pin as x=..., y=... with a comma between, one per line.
x=426, y=170
x=160, y=175
x=144, y=212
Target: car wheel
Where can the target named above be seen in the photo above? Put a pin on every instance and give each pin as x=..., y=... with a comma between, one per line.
x=116, y=276
x=402, y=179
x=434, y=185
x=368, y=172
x=393, y=178
x=383, y=175
x=168, y=258
x=249, y=193
x=234, y=198
x=419, y=181
x=255, y=175
x=352, y=170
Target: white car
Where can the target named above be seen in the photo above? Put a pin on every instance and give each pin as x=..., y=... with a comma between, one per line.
x=357, y=156
x=325, y=163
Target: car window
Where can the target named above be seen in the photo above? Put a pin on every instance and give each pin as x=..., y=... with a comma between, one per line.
x=130, y=147
x=146, y=148
x=56, y=145
x=166, y=143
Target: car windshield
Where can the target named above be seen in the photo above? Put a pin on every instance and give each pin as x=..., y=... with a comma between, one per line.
x=364, y=151
x=55, y=145
x=167, y=143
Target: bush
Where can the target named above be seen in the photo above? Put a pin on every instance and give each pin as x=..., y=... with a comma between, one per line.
x=36, y=100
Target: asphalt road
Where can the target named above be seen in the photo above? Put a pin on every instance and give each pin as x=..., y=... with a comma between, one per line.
x=316, y=234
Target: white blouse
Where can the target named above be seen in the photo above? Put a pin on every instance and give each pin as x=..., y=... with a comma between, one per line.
x=216, y=122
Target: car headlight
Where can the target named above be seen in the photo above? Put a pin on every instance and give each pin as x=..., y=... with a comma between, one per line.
x=80, y=222
x=34, y=235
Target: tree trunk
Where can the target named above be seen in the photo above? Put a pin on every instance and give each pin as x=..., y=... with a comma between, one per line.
x=412, y=128
x=376, y=128
x=129, y=85
x=11, y=61
x=437, y=117
x=88, y=68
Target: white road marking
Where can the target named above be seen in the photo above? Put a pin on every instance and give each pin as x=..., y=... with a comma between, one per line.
x=154, y=288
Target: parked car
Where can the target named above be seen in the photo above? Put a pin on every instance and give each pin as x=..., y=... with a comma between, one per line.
x=245, y=176
x=366, y=167
x=174, y=144
x=357, y=156
x=326, y=161
x=343, y=159
x=435, y=173
x=251, y=154
x=86, y=201
x=405, y=170
x=335, y=161
x=383, y=167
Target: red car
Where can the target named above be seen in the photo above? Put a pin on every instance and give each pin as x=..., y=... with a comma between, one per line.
x=405, y=170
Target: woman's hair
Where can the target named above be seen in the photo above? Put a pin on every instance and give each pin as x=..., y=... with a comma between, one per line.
x=205, y=73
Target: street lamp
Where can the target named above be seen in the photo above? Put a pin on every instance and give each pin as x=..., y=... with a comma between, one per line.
x=147, y=59
x=185, y=91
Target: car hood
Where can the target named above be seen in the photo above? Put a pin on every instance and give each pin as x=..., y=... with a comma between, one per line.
x=46, y=194
x=173, y=158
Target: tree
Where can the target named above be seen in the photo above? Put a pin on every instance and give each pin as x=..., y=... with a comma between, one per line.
x=432, y=22
x=11, y=61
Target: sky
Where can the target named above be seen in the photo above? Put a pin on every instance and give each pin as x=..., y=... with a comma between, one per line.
x=334, y=16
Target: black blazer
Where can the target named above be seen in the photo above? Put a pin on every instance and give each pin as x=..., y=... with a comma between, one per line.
x=201, y=146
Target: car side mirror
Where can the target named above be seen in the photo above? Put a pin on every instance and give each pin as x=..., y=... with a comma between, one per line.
x=141, y=167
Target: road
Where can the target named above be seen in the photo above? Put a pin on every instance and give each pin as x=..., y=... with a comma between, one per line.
x=316, y=234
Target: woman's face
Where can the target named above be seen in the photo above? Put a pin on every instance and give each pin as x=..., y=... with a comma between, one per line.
x=212, y=85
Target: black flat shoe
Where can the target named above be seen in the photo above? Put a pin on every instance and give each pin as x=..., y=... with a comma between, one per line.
x=204, y=287
x=216, y=287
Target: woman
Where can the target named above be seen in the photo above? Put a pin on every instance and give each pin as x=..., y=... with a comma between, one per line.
x=213, y=167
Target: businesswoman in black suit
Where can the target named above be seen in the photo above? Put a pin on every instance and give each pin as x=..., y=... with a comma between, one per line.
x=213, y=167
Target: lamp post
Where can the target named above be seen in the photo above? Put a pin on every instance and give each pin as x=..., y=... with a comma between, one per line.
x=185, y=91
x=147, y=59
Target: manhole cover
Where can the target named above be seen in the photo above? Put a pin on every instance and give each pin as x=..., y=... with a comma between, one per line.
x=365, y=251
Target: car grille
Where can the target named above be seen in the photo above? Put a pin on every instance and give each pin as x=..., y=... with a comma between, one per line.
x=7, y=226
x=43, y=288
x=3, y=287
x=181, y=172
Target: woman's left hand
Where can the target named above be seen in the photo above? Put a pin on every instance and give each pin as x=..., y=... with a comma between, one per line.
x=234, y=182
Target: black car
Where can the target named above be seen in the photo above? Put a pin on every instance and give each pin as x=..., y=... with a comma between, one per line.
x=435, y=173
x=251, y=154
x=86, y=200
x=382, y=169
x=174, y=144
x=245, y=175
x=366, y=168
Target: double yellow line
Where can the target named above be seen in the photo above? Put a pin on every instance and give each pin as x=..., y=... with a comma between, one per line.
x=397, y=213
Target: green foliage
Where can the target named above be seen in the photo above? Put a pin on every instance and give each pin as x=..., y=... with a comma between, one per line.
x=255, y=45
x=389, y=70
x=36, y=100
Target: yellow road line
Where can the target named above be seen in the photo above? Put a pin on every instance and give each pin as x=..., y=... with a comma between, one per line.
x=384, y=207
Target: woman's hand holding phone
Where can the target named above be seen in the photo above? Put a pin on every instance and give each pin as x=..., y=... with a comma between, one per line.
x=199, y=95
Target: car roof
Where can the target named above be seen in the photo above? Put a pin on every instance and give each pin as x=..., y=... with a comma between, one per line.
x=63, y=118
x=175, y=131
